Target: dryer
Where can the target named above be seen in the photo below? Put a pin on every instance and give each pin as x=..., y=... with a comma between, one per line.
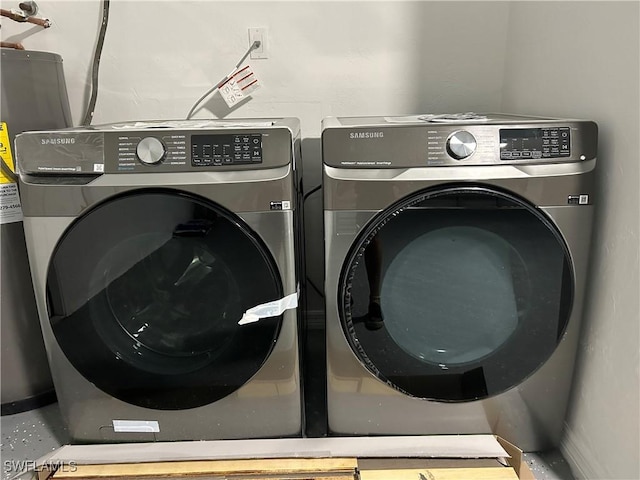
x=456, y=258
x=163, y=261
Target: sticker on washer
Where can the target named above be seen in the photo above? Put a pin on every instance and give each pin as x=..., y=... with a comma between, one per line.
x=270, y=309
x=10, y=207
x=136, y=426
x=280, y=205
x=578, y=199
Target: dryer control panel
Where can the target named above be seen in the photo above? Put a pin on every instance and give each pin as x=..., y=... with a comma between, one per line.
x=362, y=142
x=552, y=142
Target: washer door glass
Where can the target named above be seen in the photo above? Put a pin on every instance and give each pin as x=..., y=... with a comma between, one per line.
x=456, y=294
x=145, y=294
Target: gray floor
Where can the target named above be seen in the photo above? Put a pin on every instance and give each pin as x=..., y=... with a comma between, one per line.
x=30, y=435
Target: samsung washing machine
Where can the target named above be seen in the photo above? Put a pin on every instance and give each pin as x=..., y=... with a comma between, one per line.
x=456, y=258
x=163, y=260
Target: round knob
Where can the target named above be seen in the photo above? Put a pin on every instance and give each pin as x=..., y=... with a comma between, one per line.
x=461, y=144
x=150, y=150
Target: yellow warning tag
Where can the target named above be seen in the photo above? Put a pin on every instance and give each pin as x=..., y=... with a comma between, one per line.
x=5, y=152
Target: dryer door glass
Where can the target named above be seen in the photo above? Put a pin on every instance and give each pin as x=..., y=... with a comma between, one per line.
x=457, y=294
x=145, y=294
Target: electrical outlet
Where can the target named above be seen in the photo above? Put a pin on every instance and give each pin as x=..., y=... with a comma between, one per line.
x=258, y=34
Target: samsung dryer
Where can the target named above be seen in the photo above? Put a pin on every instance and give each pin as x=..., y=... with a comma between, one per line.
x=456, y=258
x=163, y=260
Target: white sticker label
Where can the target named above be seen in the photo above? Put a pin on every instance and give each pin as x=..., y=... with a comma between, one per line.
x=98, y=167
x=583, y=200
x=136, y=426
x=239, y=85
x=10, y=208
x=286, y=205
x=269, y=309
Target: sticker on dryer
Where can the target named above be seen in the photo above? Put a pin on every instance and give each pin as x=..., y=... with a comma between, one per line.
x=136, y=426
x=270, y=309
x=280, y=205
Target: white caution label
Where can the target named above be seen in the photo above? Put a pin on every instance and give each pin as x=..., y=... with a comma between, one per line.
x=238, y=85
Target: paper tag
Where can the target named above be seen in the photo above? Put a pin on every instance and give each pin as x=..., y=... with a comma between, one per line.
x=10, y=207
x=5, y=153
x=136, y=426
x=269, y=309
x=239, y=85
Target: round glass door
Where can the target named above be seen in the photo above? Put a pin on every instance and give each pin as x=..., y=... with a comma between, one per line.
x=456, y=294
x=145, y=294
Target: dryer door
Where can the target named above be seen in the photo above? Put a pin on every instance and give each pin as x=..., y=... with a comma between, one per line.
x=145, y=293
x=456, y=294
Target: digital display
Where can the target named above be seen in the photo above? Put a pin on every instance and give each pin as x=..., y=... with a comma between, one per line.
x=526, y=143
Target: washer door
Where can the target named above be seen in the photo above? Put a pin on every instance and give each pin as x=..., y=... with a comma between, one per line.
x=456, y=294
x=145, y=293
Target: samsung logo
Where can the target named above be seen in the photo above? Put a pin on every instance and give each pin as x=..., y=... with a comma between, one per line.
x=364, y=135
x=58, y=141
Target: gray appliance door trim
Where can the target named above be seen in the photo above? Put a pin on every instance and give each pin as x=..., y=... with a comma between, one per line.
x=237, y=191
x=376, y=189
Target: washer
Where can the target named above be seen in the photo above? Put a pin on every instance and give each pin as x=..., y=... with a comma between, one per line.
x=456, y=258
x=149, y=242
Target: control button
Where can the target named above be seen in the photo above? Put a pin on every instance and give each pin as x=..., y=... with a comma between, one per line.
x=505, y=155
x=461, y=144
x=237, y=156
x=255, y=139
x=245, y=139
x=555, y=133
x=150, y=151
x=246, y=156
x=236, y=139
x=526, y=154
x=515, y=154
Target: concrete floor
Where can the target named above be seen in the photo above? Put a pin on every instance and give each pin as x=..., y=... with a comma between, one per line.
x=28, y=436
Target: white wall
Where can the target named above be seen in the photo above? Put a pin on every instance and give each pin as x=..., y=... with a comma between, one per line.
x=325, y=58
x=581, y=59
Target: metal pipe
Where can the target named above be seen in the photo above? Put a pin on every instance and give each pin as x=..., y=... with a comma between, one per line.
x=21, y=17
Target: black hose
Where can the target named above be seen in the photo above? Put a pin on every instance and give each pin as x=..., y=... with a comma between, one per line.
x=96, y=64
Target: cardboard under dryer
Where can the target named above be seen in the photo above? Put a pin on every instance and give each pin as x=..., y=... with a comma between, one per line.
x=442, y=457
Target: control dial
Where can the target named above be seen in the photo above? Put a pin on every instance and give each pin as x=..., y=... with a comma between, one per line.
x=150, y=151
x=461, y=144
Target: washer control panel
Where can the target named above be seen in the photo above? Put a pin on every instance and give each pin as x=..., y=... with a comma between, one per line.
x=225, y=149
x=523, y=143
x=165, y=150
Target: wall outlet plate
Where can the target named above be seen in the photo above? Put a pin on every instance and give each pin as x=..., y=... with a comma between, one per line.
x=258, y=34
